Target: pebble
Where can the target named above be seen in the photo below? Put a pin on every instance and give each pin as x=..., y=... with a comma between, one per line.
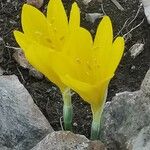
x=36, y=3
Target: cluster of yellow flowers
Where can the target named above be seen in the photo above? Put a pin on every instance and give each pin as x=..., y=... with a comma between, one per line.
x=66, y=53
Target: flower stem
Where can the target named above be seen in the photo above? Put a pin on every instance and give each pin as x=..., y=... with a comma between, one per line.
x=67, y=110
x=95, y=129
x=96, y=122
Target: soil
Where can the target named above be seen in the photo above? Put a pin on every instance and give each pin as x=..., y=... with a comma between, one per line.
x=46, y=95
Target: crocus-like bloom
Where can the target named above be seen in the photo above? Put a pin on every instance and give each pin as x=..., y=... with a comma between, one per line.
x=66, y=53
x=86, y=66
x=44, y=34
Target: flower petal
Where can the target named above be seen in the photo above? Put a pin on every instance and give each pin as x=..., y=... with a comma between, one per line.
x=78, y=47
x=104, y=34
x=35, y=25
x=21, y=40
x=57, y=17
x=70, y=75
x=80, y=42
x=90, y=93
x=45, y=65
x=39, y=57
x=74, y=20
x=117, y=52
x=102, y=47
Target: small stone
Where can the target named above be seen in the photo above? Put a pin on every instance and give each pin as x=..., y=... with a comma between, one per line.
x=133, y=67
x=145, y=87
x=75, y=124
x=91, y=17
x=22, y=61
x=19, y=56
x=92, y=31
x=13, y=22
x=36, y=3
x=36, y=74
x=96, y=145
x=86, y=2
x=146, y=5
x=1, y=49
x=67, y=140
x=136, y=49
x=1, y=71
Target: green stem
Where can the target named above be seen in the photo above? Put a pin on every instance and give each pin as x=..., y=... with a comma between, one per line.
x=67, y=110
x=95, y=129
x=96, y=122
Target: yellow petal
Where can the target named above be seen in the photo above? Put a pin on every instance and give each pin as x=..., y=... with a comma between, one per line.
x=93, y=94
x=21, y=40
x=74, y=20
x=35, y=25
x=57, y=17
x=104, y=34
x=39, y=57
x=80, y=42
x=117, y=52
x=70, y=75
x=41, y=60
x=78, y=47
x=102, y=46
x=63, y=65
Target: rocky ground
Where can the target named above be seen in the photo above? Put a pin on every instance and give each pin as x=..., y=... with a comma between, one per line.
x=129, y=22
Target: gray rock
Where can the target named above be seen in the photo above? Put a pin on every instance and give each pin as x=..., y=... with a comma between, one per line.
x=62, y=140
x=1, y=71
x=140, y=142
x=86, y=2
x=22, y=125
x=145, y=87
x=36, y=74
x=36, y=3
x=146, y=5
x=19, y=56
x=1, y=49
x=126, y=120
x=136, y=49
x=91, y=17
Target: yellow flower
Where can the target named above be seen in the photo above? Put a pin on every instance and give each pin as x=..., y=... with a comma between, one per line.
x=86, y=66
x=67, y=55
x=44, y=34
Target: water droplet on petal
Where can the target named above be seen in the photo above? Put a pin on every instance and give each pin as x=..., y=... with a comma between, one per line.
x=52, y=46
x=87, y=73
x=98, y=66
x=94, y=59
x=78, y=60
x=95, y=48
x=52, y=21
x=61, y=38
x=48, y=40
x=55, y=29
x=88, y=65
x=38, y=33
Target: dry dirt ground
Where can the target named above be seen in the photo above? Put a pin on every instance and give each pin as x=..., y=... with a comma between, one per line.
x=128, y=77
